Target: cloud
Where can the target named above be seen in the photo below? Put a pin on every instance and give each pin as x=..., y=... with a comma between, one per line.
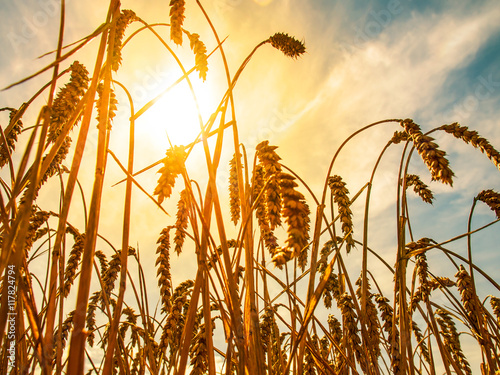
x=399, y=73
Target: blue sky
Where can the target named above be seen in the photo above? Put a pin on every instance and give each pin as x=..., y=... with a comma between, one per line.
x=435, y=62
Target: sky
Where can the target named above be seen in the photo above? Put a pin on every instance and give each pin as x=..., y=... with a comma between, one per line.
x=434, y=62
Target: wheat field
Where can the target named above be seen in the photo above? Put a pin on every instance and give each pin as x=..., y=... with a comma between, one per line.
x=284, y=279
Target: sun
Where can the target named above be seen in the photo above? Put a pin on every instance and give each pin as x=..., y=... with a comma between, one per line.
x=175, y=117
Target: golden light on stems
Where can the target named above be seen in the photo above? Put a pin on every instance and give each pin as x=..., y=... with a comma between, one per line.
x=265, y=313
x=173, y=165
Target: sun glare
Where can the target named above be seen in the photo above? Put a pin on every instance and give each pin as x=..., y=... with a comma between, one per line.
x=175, y=117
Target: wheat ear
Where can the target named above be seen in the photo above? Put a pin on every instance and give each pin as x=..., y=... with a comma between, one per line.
x=182, y=219
x=200, y=54
x=163, y=273
x=421, y=189
x=341, y=197
x=234, y=194
x=125, y=18
x=173, y=165
x=176, y=20
x=8, y=146
x=432, y=156
x=473, y=138
x=492, y=199
x=290, y=46
x=452, y=340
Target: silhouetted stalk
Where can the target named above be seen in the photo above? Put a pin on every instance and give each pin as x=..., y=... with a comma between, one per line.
x=13, y=245
x=77, y=344
x=126, y=217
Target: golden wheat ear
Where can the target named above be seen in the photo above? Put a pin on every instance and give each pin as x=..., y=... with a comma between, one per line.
x=452, y=339
x=126, y=18
x=390, y=326
x=421, y=189
x=341, y=197
x=173, y=165
x=495, y=305
x=399, y=136
x=428, y=150
x=470, y=302
x=420, y=338
x=350, y=318
x=73, y=263
x=272, y=169
x=90, y=318
x=296, y=214
x=372, y=339
x=234, y=194
x=163, y=273
x=8, y=140
x=67, y=99
x=492, y=200
x=472, y=137
x=176, y=20
x=270, y=240
x=200, y=53
x=332, y=290
x=290, y=46
x=198, y=351
x=182, y=219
